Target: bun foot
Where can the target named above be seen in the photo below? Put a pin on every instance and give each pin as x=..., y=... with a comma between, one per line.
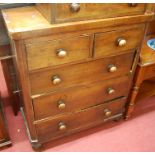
x=36, y=146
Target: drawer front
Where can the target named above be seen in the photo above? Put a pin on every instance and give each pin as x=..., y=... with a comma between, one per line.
x=81, y=97
x=56, y=52
x=80, y=74
x=74, y=122
x=75, y=12
x=116, y=42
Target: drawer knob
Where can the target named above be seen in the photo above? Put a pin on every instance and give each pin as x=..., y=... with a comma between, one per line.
x=121, y=42
x=61, y=104
x=75, y=7
x=62, y=126
x=132, y=4
x=61, y=53
x=56, y=80
x=112, y=68
x=107, y=112
x=110, y=90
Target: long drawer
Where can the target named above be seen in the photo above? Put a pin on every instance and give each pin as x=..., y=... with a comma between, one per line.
x=81, y=97
x=58, y=13
x=63, y=125
x=79, y=74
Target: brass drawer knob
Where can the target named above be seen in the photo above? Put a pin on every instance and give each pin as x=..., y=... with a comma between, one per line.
x=121, y=42
x=61, y=53
x=62, y=126
x=56, y=80
x=110, y=90
x=107, y=112
x=112, y=68
x=61, y=104
x=133, y=4
x=75, y=7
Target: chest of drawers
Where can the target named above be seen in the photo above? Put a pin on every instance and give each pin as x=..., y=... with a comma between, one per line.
x=78, y=73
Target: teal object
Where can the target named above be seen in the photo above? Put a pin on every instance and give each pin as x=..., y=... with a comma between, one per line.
x=151, y=43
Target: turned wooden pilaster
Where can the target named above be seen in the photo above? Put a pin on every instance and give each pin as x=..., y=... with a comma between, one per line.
x=139, y=75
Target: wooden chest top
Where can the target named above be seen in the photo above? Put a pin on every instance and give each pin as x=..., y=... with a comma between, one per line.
x=22, y=21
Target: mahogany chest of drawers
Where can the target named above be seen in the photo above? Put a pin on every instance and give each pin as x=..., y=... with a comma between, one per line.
x=77, y=72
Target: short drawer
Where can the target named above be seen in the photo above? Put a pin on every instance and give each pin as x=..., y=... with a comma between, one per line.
x=59, y=13
x=80, y=74
x=81, y=97
x=67, y=124
x=56, y=52
x=116, y=42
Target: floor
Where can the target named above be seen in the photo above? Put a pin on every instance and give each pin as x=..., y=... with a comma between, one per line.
x=136, y=134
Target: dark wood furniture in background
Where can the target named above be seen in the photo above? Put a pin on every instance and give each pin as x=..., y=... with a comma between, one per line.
x=145, y=71
x=10, y=77
x=6, y=60
x=78, y=73
x=4, y=136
